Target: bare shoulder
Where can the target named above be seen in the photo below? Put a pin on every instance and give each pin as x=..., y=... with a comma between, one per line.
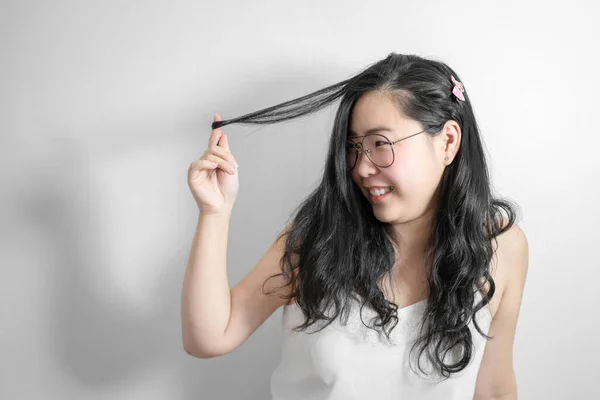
x=496, y=376
x=513, y=252
x=509, y=264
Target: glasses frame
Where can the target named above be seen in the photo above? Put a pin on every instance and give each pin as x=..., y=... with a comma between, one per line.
x=367, y=151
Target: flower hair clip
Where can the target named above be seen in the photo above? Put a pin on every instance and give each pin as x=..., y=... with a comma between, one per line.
x=458, y=89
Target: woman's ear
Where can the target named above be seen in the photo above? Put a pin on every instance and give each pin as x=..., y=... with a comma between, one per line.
x=450, y=141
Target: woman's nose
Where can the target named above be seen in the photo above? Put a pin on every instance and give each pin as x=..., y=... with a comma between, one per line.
x=359, y=163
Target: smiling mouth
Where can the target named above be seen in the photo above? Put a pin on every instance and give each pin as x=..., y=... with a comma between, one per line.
x=373, y=198
x=387, y=190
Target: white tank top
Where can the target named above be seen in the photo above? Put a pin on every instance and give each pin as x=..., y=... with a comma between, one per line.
x=355, y=362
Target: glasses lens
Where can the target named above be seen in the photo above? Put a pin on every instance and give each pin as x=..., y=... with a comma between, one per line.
x=351, y=153
x=378, y=149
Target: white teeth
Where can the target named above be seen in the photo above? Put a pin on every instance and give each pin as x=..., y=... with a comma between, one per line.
x=379, y=192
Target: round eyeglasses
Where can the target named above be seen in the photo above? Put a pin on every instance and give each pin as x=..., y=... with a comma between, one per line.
x=378, y=148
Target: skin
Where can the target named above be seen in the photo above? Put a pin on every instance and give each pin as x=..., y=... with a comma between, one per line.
x=415, y=175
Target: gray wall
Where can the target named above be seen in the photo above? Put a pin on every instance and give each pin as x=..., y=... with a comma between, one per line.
x=105, y=104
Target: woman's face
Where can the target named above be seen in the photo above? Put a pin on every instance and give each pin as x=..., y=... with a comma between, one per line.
x=418, y=161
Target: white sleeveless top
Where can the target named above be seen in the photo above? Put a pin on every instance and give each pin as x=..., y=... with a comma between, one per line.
x=355, y=362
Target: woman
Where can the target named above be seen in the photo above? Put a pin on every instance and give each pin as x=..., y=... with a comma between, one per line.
x=403, y=229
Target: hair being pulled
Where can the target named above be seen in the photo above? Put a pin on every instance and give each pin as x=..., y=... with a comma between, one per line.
x=336, y=250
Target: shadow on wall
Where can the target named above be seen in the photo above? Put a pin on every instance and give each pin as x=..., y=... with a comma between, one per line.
x=96, y=335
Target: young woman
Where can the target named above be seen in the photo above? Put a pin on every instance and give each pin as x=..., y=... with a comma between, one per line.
x=400, y=276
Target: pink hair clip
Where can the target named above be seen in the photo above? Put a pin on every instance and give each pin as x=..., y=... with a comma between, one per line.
x=458, y=90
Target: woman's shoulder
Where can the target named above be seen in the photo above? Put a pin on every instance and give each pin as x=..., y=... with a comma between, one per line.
x=507, y=265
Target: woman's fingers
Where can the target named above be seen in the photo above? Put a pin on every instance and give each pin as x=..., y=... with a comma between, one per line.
x=220, y=152
x=197, y=166
x=211, y=162
x=216, y=133
x=225, y=143
x=202, y=164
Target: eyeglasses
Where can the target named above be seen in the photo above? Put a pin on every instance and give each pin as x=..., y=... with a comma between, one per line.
x=378, y=148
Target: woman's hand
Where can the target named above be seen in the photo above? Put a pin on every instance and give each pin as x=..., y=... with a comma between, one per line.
x=212, y=180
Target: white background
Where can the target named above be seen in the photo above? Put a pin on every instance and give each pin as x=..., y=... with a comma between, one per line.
x=103, y=106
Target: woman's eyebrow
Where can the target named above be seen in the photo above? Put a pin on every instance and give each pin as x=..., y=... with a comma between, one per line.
x=372, y=130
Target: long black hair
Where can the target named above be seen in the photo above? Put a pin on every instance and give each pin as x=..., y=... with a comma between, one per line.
x=335, y=247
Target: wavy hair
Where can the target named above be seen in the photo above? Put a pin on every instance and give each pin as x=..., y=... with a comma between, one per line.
x=335, y=247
